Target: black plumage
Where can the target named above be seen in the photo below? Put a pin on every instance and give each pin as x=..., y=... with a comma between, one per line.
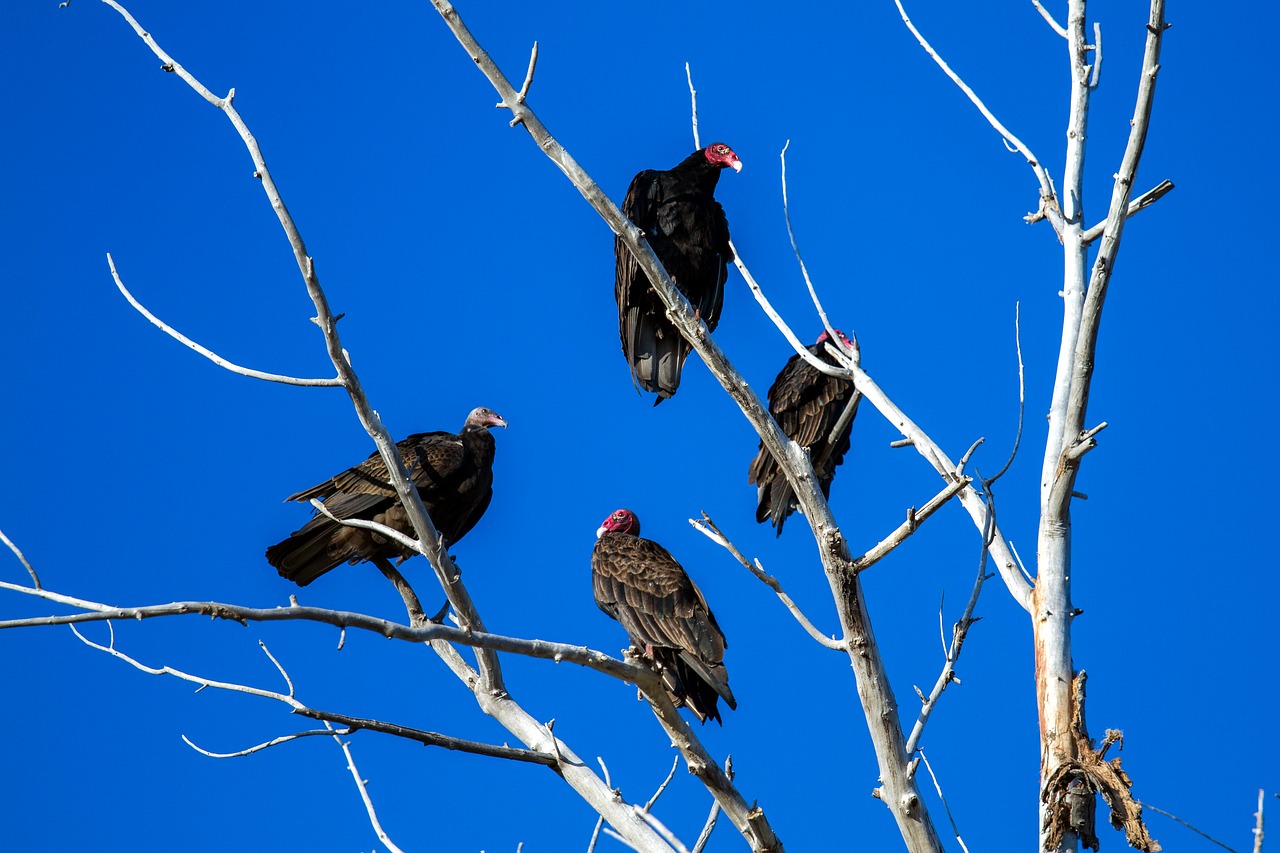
x=807, y=404
x=688, y=231
x=452, y=473
x=639, y=583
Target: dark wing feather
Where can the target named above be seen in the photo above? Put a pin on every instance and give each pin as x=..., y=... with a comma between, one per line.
x=688, y=231
x=807, y=404
x=371, y=477
x=639, y=583
x=453, y=475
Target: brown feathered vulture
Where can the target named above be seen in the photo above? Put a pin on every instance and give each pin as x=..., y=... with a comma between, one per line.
x=639, y=583
x=807, y=404
x=687, y=229
x=452, y=473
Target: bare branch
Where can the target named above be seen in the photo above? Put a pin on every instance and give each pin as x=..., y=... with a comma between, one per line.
x=297, y=707
x=959, y=632
x=1022, y=394
x=667, y=834
x=1044, y=13
x=431, y=545
x=364, y=794
x=693, y=104
x=524, y=89
x=283, y=673
x=804, y=270
x=427, y=633
x=208, y=353
x=1142, y=202
x=710, y=825
x=665, y=782
x=17, y=552
x=908, y=527
x=1096, y=77
x=937, y=787
x=875, y=695
x=1049, y=207
x=258, y=747
x=414, y=607
x=1257, y=830
x=708, y=528
x=1201, y=832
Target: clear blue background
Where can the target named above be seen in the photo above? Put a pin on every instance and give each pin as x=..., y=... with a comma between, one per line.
x=472, y=273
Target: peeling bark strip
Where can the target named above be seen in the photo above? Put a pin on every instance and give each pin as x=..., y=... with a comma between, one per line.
x=1068, y=794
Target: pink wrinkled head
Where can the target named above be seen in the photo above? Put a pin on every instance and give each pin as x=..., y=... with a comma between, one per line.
x=620, y=521
x=722, y=155
x=844, y=342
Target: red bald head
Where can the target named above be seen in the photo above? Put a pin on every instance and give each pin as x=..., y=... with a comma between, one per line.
x=844, y=342
x=719, y=154
x=620, y=521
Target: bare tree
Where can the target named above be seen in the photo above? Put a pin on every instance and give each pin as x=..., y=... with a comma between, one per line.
x=1072, y=771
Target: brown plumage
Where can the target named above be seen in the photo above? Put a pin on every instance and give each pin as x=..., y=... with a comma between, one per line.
x=452, y=473
x=807, y=405
x=639, y=583
x=688, y=231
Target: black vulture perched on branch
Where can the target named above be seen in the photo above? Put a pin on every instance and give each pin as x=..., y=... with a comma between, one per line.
x=639, y=583
x=452, y=473
x=807, y=404
x=687, y=229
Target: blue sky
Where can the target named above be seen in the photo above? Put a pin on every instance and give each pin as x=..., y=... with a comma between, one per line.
x=472, y=273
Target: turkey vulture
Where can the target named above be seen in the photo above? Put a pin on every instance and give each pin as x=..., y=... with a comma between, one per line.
x=687, y=229
x=807, y=404
x=640, y=584
x=452, y=473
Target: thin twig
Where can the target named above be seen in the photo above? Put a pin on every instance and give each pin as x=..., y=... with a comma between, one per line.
x=1257, y=830
x=35, y=579
x=661, y=828
x=1044, y=13
x=261, y=746
x=381, y=529
x=1096, y=77
x=904, y=530
x=710, y=825
x=665, y=782
x=709, y=529
x=959, y=632
x=411, y=603
x=1048, y=195
x=208, y=353
x=942, y=797
x=804, y=270
x=285, y=675
x=297, y=707
x=1196, y=830
x=528, y=77
x=1022, y=393
x=364, y=794
x=1142, y=202
x=693, y=101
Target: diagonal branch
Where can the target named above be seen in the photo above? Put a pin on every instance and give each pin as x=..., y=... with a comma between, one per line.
x=959, y=632
x=362, y=786
x=708, y=528
x=1049, y=206
x=17, y=552
x=297, y=707
x=911, y=525
x=1140, y=203
x=432, y=546
x=208, y=353
x=795, y=248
